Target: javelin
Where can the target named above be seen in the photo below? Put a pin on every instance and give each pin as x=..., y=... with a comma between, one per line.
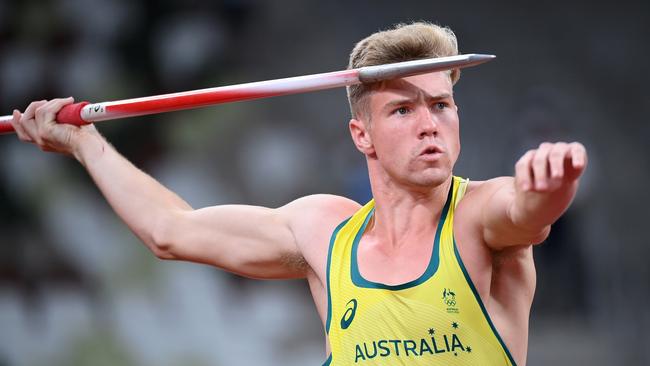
x=84, y=112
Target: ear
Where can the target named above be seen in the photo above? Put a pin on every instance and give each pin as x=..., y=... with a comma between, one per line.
x=361, y=136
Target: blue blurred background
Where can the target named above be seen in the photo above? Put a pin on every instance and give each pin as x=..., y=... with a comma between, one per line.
x=77, y=288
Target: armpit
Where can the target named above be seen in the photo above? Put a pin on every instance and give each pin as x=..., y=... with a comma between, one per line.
x=295, y=262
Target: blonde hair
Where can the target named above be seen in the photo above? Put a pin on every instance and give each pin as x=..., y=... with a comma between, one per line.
x=403, y=42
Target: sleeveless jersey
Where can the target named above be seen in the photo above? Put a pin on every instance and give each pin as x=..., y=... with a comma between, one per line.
x=436, y=319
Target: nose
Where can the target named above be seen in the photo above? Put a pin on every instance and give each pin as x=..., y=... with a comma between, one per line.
x=427, y=125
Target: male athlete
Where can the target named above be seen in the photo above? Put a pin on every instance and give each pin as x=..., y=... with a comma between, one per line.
x=435, y=270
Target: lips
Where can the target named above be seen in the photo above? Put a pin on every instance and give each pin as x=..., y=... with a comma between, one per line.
x=431, y=149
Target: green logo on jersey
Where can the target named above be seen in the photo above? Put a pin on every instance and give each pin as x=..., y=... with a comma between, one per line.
x=449, y=298
x=348, y=316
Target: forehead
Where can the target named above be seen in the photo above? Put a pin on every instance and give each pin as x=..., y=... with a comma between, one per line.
x=412, y=87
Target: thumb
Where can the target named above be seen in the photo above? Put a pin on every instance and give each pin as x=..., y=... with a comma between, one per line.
x=54, y=107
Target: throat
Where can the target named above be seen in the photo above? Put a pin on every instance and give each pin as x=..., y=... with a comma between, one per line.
x=398, y=244
x=394, y=264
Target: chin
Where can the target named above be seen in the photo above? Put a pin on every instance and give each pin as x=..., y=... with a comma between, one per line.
x=431, y=180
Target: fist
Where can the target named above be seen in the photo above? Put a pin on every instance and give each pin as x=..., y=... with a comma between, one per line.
x=38, y=125
x=550, y=166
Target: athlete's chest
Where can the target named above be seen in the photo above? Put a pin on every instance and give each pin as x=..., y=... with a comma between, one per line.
x=430, y=315
x=382, y=263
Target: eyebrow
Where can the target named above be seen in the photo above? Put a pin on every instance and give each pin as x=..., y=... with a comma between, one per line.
x=429, y=98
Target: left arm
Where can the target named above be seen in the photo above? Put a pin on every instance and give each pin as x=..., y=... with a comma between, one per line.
x=520, y=210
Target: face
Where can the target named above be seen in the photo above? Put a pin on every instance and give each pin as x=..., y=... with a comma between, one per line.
x=411, y=135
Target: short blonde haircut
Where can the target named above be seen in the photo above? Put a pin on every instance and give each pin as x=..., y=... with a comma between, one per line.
x=403, y=42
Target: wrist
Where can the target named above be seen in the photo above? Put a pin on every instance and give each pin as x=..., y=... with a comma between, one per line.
x=540, y=209
x=88, y=146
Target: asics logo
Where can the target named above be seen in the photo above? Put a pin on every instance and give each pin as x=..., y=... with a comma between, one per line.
x=348, y=316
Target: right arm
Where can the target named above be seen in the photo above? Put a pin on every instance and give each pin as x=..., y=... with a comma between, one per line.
x=247, y=240
x=252, y=241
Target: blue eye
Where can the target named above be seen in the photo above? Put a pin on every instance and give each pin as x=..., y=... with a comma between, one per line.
x=441, y=105
x=402, y=110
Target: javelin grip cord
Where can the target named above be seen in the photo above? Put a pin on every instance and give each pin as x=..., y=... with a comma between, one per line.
x=71, y=114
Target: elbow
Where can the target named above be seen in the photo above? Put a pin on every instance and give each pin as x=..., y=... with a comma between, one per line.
x=161, y=240
x=162, y=252
x=160, y=247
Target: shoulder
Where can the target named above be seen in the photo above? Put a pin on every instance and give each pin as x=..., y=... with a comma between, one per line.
x=482, y=188
x=322, y=204
x=479, y=193
x=313, y=219
x=318, y=210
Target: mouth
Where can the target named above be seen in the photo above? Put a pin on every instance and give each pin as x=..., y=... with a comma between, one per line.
x=431, y=154
x=431, y=150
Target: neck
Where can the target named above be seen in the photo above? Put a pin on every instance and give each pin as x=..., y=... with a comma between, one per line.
x=403, y=214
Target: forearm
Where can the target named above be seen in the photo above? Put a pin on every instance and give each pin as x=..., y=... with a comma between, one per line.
x=144, y=204
x=535, y=211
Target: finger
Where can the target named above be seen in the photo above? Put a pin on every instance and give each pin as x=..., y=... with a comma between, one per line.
x=46, y=113
x=29, y=127
x=559, y=151
x=27, y=123
x=15, y=116
x=31, y=109
x=576, y=161
x=540, y=167
x=15, y=122
x=578, y=155
x=523, y=173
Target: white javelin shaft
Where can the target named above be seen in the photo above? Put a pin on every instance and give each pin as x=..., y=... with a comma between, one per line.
x=82, y=113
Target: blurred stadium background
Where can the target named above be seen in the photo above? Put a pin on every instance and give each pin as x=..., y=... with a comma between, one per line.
x=76, y=288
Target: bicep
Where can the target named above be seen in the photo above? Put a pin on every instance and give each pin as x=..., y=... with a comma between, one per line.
x=251, y=241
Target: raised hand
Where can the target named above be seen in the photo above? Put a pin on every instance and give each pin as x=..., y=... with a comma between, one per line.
x=550, y=167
